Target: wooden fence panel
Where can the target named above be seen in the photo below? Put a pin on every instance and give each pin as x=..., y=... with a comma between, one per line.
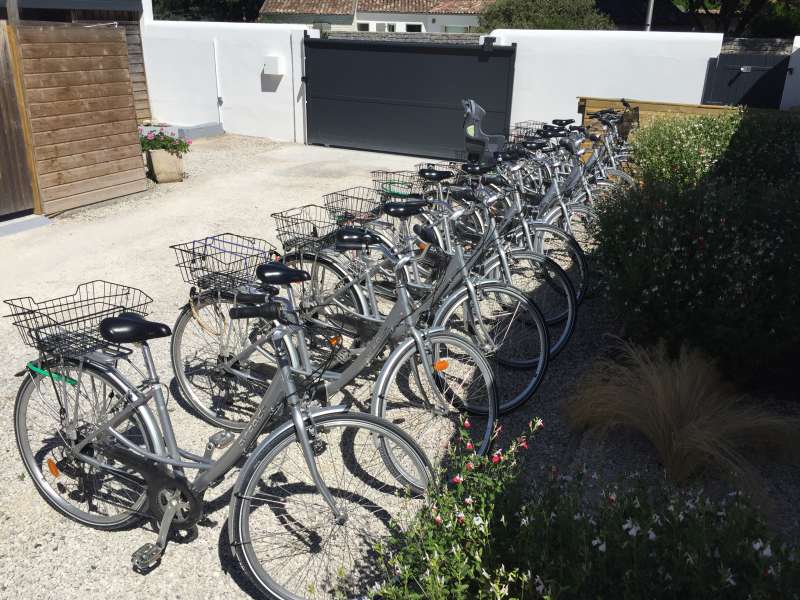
x=83, y=114
x=17, y=191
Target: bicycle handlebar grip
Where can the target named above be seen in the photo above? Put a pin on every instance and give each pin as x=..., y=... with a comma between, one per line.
x=269, y=311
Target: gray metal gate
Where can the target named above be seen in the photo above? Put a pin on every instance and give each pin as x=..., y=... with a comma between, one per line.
x=755, y=80
x=403, y=97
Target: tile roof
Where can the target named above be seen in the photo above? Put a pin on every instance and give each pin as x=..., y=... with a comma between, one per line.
x=308, y=7
x=459, y=7
x=345, y=7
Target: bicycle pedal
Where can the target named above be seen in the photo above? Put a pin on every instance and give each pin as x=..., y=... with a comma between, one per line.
x=146, y=558
x=221, y=439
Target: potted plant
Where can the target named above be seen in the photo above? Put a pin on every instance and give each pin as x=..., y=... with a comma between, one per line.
x=164, y=154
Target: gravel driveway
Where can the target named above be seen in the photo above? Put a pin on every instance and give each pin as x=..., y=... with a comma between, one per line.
x=234, y=184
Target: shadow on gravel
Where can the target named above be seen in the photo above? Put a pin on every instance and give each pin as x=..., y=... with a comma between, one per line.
x=231, y=566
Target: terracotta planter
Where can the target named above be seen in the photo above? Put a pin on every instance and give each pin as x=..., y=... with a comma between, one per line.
x=165, y=167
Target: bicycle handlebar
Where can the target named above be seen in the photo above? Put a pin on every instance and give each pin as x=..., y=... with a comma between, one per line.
x=269, y=311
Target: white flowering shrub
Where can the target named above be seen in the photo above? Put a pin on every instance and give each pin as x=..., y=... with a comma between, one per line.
x=707, y=250
x=575, y=538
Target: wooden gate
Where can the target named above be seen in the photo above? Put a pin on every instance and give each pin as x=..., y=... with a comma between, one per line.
x=82, y=114
x=16, y=182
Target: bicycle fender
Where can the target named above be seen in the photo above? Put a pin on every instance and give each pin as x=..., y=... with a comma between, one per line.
x=254, y=455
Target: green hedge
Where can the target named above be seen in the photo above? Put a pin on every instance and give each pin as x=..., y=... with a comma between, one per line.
x=707, y=250
x=576, y=538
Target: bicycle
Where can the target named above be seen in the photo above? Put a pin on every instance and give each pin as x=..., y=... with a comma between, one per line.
x=98, y=454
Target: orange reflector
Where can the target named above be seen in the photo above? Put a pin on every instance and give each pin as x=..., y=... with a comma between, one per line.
x=440, y=365
x=422, y=246
x=51, y=464
x=335, y=341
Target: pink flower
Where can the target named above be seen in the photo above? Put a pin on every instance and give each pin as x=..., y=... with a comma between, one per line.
x=537, y=425
x=468, y=500
x=467, y=424
x=469, y=466
x=457, y=479
x=497, y=457
x=437, y=519
x=470, y=446
x=189, y=142
x=151, y=136
x=460, y=518
x=523, y=443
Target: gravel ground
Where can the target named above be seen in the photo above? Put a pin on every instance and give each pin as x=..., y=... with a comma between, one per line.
x=234, y=184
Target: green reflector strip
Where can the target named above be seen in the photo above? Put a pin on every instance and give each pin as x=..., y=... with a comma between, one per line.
x=54, y=376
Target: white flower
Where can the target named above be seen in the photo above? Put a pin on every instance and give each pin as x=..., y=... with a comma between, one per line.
x=767, y=552
x=758, y=545
x=599, y=544
x=729, y=578
x=539, y=584
x=651, y=535
x=478, y=521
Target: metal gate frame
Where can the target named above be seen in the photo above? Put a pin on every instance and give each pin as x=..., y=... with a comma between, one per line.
x=358, y=106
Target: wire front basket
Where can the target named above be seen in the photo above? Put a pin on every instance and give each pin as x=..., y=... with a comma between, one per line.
x=398, y=184
x=354, y=205
x=223, y=261
x=69, y=325
x=523, y=130
x=308, y=227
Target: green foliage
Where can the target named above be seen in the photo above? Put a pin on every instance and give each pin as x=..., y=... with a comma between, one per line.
x=159, y=140
x=544, y=14
x=574, y=539
x=447, y=552
x=707, y=250
x=776, y=21
x=734, y=16
x=207, y=10
x=634, y=541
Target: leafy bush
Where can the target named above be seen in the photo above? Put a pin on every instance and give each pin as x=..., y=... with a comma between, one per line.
x=446, y=552
x=684, y=408
x=707, y=250
x=544, y=14
x=576, y=539
x=637, y=542
x=778, y=20
x=163, y=141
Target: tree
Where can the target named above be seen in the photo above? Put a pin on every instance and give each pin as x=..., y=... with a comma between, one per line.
x=731, y=16
x=544, y=14
x=207, y=10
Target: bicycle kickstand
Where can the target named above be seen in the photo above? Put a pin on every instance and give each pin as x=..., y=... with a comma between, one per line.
x=148, y=557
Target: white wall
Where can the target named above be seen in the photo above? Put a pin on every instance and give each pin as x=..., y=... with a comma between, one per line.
x=791, y=93
x=553, y=68
x=190, y=64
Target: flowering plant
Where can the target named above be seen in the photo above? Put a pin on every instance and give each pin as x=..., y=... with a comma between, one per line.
x=161, y=140
x=706, y=251
x=446, y=550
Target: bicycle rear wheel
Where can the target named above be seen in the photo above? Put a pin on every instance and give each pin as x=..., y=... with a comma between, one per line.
x=286, y=536
x=109, y=497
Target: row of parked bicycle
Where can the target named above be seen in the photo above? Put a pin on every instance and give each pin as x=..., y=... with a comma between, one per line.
x=428, y=303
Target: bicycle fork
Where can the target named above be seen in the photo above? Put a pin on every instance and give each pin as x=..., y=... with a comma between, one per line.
x=301, y=425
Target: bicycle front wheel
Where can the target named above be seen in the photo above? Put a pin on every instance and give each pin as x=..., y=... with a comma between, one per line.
x=204, y=342
x=286, y=535
x=430, y=394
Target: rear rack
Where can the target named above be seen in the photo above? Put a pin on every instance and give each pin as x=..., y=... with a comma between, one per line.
x=69, y=325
